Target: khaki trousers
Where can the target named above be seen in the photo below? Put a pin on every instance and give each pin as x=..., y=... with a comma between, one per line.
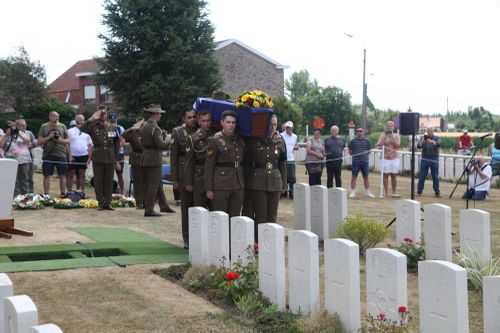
x=266, y=208
x=103, y=182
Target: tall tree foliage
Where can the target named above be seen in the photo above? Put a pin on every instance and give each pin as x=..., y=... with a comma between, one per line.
x=287, y=110
x=22, y=82
x=300, y=85
x=158, y=51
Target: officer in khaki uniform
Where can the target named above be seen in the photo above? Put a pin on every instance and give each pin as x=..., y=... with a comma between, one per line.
x=196, y=152
x=178, y=165
x=105, y=155
x=133, y=137
x=152, y=159
x=268, y=177
x=223, y=170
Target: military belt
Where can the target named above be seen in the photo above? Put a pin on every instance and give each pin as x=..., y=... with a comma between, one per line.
x=201, y=161
x=268, y=166
x=228, y=164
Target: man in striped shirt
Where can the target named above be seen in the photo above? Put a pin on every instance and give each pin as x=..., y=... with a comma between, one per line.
x=359, y=149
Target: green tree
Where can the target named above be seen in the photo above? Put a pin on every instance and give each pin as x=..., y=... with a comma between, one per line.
x=300, y=85
x=158, y=51
x=22, y=82
x=286, y=110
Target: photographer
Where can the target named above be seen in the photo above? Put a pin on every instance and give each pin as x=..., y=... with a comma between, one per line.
x=430, y=145
x=53, y=137
x=479, y=179
x=15, y=146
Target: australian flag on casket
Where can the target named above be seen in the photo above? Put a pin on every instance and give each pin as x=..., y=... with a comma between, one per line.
x=250, y=122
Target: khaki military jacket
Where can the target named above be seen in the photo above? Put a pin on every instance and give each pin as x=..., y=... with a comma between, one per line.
x=268, y=156
x=196, y=153
x=178, y=152
x=153, y=143
x=223, y=170
x=133, y=137
x=105, y=139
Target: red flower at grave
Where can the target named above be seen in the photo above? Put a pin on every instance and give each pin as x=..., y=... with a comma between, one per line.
x=256, y=246
x=382, y=315
x=230, y=276
x=402, y=309
x=408, y=240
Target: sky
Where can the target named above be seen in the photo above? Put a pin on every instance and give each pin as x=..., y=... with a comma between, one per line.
x=429, y=55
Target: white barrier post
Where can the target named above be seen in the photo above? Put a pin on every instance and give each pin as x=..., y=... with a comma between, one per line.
x=382, y=173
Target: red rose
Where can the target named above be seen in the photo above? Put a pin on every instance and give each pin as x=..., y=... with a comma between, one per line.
x=408, y=240
x=255, y=246
x=230, y=276
x=382, y=315
x=402, y=309
x=249, y=101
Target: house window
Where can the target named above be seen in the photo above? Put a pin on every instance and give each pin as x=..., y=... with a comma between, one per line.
x=106, y=95
x=89, y=94
x=68, y=96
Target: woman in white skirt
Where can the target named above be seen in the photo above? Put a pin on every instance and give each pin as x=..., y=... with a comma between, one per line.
x=390, y=166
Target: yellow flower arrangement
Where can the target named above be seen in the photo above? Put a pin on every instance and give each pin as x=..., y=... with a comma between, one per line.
x=254, y=98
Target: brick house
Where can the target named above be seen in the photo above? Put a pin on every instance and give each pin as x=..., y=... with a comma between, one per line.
x=244, y=68
x=77, y=87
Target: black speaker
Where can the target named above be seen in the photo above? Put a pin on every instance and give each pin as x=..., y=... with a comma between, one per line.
x=409, y=123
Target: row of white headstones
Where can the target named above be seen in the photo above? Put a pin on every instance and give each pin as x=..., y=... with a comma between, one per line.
x=443, y=299
x=19, y=314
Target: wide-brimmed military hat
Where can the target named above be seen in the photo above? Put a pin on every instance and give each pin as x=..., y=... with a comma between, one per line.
x=154, y=108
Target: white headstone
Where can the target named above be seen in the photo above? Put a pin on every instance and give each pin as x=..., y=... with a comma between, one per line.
x=442, y=297
x=437, y=232
x=449, y=167
x=377, y=160
x=407, y=161
x=47, y=328
x=6, y=290
x=302, y=206
x=459, y=167
x=319, y=211
x=242, y=238
x=441, y=166
x=8, y=170
x=272, y=263
x=386, y=282
x=475, y=232
x=337, y=208
x=342, y=294
x=303, y=271
x=491, y=304
x=198, y=235
x=218, y=239
x=408, y=224
x=371, y=159
x=20, y=313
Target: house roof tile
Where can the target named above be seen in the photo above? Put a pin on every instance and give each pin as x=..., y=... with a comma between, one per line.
x=68, y=80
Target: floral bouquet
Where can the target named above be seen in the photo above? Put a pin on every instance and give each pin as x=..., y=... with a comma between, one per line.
x=66, y=203
x=31, y=201
x=122, y=202
x=255, y=99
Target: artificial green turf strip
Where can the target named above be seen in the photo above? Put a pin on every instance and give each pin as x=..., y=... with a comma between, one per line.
x=58, y=264
x=114, y=234
x=4, y=258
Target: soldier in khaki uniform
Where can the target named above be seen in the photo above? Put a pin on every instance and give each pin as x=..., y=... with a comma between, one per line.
x=178, y=164
x=223, y=171
x=268, y=177
x=133, y=137
x=195, y=160
x=105, y=155
x=154, y=143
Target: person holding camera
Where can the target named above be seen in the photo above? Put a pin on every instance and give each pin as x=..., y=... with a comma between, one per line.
x=15, y=146
x=390, y=164
x=53, y=137
x=21, y=125
x=430, y=145
x=480, y=174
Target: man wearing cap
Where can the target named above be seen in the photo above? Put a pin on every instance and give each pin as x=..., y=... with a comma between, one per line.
x=196, y=153
x=178, y=164
x=113, y=120
x=290, y=139
x=81, y=153
x=154, y=143
x=223, y=171
x=104, y=156
x=464, y=141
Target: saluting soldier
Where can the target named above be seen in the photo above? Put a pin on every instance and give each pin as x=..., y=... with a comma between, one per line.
x=133, y=137
x=178, y=164
x=268, y=177
x=223, y=171
x=196, y=152
x=152, y=159
x=105, y=155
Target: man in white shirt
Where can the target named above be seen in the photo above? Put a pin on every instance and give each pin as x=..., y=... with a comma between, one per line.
x=81, y=152
x=479, y=180
x=291, y=145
